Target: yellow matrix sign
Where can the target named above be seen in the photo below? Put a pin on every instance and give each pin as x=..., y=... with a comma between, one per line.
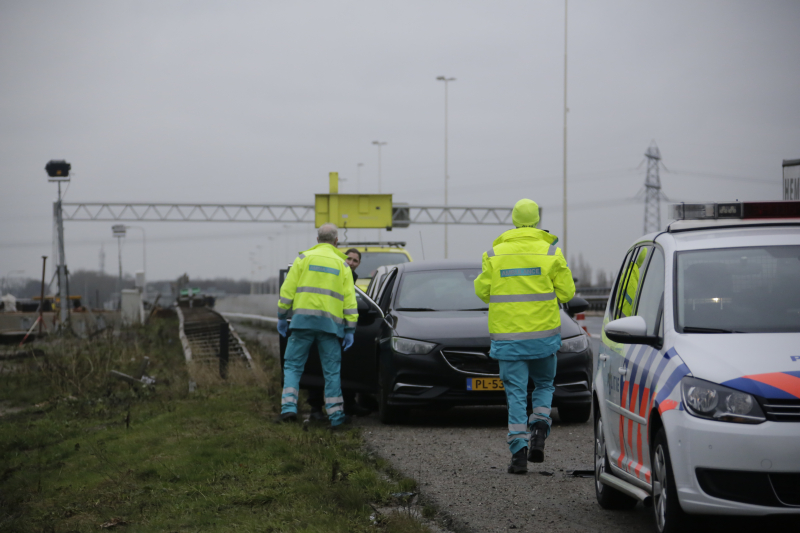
x=352, y=210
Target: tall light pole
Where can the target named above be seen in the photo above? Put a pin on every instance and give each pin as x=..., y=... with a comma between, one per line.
x=379, y=144
x=144, y=255
x=58, y=171
x=446, y=175
x=566, y=110
x=118, y=231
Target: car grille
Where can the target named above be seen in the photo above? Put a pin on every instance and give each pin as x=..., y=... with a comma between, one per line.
x=471, y=361
x=782, y=410
x=758, y=488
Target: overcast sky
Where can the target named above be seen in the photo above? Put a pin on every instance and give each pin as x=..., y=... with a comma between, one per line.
x=255, y=102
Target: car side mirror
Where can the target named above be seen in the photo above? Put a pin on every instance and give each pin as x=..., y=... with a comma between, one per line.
x=631, y=330
x=576, y=305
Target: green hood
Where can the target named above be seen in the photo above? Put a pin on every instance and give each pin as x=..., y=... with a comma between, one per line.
x=526, y=233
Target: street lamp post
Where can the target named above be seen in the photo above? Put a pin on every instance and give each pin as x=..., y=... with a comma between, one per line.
x=566, y=110
x=446, y=175
x=144, y=255
x=58, y=171
x=118, y=231
x=379, y=144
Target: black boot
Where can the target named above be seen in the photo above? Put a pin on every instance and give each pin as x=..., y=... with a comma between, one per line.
x=286, y=417
x=538, y=435
x=518, y=464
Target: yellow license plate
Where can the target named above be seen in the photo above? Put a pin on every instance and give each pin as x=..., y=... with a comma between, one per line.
x=484, y=384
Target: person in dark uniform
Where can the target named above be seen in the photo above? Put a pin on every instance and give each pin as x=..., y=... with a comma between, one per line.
x=315, y=395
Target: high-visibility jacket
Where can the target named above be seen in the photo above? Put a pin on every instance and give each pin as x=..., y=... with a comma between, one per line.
x=630, y=283
x=319, y=292
x=524, y=277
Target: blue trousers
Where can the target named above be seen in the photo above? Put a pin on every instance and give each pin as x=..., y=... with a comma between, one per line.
x=515, y=380
x=330, y=355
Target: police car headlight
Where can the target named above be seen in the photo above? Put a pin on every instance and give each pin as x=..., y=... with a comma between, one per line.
x=574, y=344
x=704, y=399
x=411, y=347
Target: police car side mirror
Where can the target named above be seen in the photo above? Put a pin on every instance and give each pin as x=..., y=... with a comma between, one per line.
x=630, y=330
x=576, y=305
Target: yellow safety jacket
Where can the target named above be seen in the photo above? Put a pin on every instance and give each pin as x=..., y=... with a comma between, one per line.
x=524, y=277
x=631, y=283
x=319, y=292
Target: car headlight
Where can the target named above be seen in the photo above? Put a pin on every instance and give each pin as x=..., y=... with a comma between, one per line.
x=704, y=399
x=574, y=344
x=411, y=347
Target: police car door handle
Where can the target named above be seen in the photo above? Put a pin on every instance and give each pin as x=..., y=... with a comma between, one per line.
x=623, y=370
x=603, y=357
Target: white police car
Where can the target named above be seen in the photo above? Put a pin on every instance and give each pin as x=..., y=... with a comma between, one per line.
x=697, y=380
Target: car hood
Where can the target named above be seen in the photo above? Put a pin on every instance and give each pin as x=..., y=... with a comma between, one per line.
x=766, y=364
x=470, y=328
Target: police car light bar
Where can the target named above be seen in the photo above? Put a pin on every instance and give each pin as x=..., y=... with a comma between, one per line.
x=736, y=210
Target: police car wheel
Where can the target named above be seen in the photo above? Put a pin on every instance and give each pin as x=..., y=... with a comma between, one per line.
x=607, y=497
x=668, y=513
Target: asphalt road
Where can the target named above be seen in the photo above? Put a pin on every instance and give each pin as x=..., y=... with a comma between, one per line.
x=459, y=459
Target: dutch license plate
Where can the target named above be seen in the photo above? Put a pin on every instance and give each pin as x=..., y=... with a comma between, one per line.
x=480, y=384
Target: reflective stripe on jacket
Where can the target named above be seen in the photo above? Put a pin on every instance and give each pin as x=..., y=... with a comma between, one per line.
x=524, y=277
x=319, y=292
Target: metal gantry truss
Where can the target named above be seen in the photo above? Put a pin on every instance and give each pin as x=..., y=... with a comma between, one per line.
x=282, y=213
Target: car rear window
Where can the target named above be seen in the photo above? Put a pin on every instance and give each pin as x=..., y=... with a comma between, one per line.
x=440, y=290
x=742, y=290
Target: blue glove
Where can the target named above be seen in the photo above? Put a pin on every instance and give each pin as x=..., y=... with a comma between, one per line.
x=347, y=342
x=283, y=327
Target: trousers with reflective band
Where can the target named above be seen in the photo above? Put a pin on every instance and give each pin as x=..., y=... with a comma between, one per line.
x=524, y=277
x=330, y=355
x=515, y=380
x=319, y=293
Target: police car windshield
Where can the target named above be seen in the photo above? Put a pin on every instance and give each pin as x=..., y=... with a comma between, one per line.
x=739, y=290
x=370, y=261
x=439, y=290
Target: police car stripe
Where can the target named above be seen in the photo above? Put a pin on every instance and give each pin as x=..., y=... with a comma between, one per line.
x=673, y=380
x=645, y=372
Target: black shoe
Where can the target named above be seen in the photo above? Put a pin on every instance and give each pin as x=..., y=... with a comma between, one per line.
x=353, y=409
x=538, y=435
x=317, y=416
x=344, y=426
x=518, y=464
x=285, y=417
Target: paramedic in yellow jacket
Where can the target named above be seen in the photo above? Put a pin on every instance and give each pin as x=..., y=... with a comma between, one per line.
x=524, y=277
x=319, y=294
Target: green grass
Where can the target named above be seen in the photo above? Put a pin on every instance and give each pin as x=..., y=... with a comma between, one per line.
x=96, y=451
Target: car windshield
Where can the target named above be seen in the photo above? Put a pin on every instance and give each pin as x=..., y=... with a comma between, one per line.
x=739, y=290
x=439, y=290
x=370, y=261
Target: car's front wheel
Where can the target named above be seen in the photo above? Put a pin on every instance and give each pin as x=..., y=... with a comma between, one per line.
x=670, y=518
x=607, y=497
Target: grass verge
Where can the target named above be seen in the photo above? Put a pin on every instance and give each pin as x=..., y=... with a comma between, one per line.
x=95, y=452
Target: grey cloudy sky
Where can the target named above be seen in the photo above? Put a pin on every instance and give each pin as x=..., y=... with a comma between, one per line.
x=255, y=102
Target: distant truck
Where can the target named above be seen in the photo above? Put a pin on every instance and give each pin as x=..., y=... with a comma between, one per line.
x=791, y=179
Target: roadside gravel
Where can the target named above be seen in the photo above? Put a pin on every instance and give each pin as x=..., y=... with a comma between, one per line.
x=459, y=459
